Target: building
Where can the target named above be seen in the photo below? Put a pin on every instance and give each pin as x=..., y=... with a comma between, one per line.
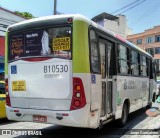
x=2, y=44
x=1, y=67
x=6, y=18
x=117, y=24
x=148, y=40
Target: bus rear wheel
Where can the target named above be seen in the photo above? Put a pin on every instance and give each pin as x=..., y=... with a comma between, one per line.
x=124, y=116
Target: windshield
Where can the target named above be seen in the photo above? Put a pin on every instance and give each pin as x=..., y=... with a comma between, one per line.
x=54, y=42
x=2, y=88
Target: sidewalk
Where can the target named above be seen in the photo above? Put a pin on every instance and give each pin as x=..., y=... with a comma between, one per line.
x=150, y=124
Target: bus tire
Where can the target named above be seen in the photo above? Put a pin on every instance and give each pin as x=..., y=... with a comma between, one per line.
x=124, y=117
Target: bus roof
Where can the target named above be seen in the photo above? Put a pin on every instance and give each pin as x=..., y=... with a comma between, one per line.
x=85, y=19
x=74, y=16
x=120, y=38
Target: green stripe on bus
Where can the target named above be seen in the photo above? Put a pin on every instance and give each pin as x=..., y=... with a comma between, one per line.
x=80, y=47
x=6, y=54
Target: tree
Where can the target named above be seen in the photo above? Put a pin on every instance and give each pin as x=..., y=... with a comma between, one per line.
x=25, y=14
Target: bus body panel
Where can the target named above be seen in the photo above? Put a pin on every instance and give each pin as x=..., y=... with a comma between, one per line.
x=83, y=117
x=81, y=63
x=153, y=86
x=96, y=92
x=76, y=118
x=44, y=84
x=6, y=56
x=135, y=90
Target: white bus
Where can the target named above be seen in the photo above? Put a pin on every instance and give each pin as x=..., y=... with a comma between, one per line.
x=67, y=70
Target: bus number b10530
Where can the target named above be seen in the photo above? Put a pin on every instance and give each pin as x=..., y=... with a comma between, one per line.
x=55, y=69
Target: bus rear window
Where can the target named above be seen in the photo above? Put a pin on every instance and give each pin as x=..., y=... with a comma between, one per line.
x=54, y=42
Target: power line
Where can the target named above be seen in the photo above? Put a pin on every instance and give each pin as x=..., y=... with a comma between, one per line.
x=132, y=7
x=154, y=8
x=135, y=3
x=125, y=6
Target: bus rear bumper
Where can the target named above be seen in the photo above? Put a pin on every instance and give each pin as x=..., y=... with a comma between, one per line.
x=75, y=118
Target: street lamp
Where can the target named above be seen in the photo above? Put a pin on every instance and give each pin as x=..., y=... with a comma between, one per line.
x=55, y=7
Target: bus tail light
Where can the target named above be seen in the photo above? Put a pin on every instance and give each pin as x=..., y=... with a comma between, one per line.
x=8, y=102
x=78, y=98
x=70, y=20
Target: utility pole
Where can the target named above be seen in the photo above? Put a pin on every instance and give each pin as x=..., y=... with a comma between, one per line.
x=55, y=7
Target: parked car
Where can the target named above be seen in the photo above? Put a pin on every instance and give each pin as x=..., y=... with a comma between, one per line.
x=2, y=100
x=158, y=88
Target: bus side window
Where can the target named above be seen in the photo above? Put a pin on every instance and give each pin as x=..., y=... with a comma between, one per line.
x=139, y=64
x=144, y=66
x=157, y=62
x=154, y=72
x=103, y=59
x=134, y=63
x=123, y=60
x=94, y=53
x=148, y=66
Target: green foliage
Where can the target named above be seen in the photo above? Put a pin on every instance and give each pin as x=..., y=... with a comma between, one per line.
x=25, y=14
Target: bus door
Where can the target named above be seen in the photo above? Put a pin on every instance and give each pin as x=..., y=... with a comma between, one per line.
x=105, y=56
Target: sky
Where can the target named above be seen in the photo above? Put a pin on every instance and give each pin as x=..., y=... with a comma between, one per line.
x=145, y=14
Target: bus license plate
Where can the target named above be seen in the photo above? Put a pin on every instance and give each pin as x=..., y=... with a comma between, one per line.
x=18, y=85
x=39, y=118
